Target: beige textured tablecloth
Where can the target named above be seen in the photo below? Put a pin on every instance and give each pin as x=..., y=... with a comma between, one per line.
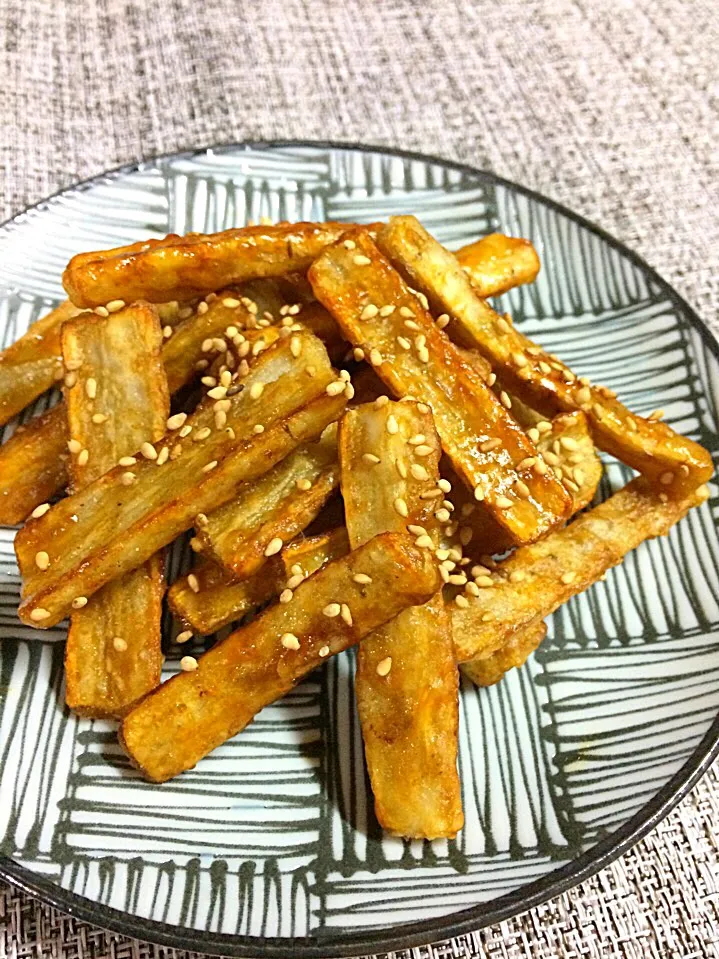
x=610, y=106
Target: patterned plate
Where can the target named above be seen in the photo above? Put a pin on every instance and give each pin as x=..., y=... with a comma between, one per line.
x=270, y=846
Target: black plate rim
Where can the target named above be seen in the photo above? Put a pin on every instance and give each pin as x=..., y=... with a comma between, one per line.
x=406, y=935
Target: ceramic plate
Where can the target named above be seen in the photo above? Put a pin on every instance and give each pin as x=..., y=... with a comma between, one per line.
x=270, y=846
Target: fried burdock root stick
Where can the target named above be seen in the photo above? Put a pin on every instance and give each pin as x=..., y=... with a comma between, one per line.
x=498, y=263
x=182, y=267
x=489, y=670
x=272, y=510
x=196, y=711
x=380, y=315
x=118, y=400
x=32, y=364
x=537, y=579
x=672, y=462
x=209, y=598
x=125, y=516
x=406, y=682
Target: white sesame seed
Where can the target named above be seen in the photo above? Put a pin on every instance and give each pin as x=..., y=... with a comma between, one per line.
x=332, y=610
x=37, y=615
x=200, y=434
x=79, y=602
x=176, y=421
x=188, y=664
x=286, y=595
x=461, y=601
x=99, y=418
x=91, y=387
x=258, y=428
x=294, y=581
x=384, y=666
x=362, y=578
x=442, y=515
x=193, y=582
x=568, y=443
x=387, y=310
x=400, y=507
x=83, y=457
x=202, y=308
x=375, y=358
x=119, y=644
x=42, y=560
x=404, y=342
x=163, y=456
x=70, y=380
x=304, y=484
x=391, y=425
x=483, y=581
x=358, y=353
x=491, y=444
x=442, y=321
x=369, y=312
x=411, y=325
x=479, y=493
x=405, y=311
x=346, y=614
x=361, y=260
x=230, y=302
x=666, y=478
x=423, y=408
x=127, y=479
x=568, y=578
x=370, y=458
x=522, y=489
x=335, y=388
x=114, y=305
x=419, y=472
x=517, y=576
x=274, y=546
x=578, y=476
x=424, y=542
x=349, y=244
x=184, y=637
x=220, y=420
x=324, y=652
x=102, y=311
x=290, y=641
x=220, y=392
x=505, y=400
x=208, y=381
x=40, y=510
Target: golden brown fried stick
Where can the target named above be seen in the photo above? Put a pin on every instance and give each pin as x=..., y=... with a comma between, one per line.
x=535, y=580
x=272, y=510
x=180, y=267
x=33, y=466
x=118, y=400
x=491, y=669
x=566, y=444
x=498, y=263
x=406, y=681
x=208, y=598
x=132, y=511
x=32, y=364
x=32, y=462
x=193, y=713
x=379, y=314
x=674, y=463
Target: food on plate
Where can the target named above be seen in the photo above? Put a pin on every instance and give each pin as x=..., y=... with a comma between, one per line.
x=234, y=384
x=406, y=682
x=488, y=670
x=32, y=364
x=497, y=263
x=118, y=399
x=538, y=378
x=536, y=579
x=180, y=267
x=269, y=512
x=381, y=316
x=217, y=695
x=33, y=465
x=125, y=516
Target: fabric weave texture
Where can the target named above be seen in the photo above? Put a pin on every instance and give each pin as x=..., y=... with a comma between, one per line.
x=609, y=106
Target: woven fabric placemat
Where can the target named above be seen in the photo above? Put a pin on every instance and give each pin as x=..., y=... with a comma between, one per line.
x=609, y=106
